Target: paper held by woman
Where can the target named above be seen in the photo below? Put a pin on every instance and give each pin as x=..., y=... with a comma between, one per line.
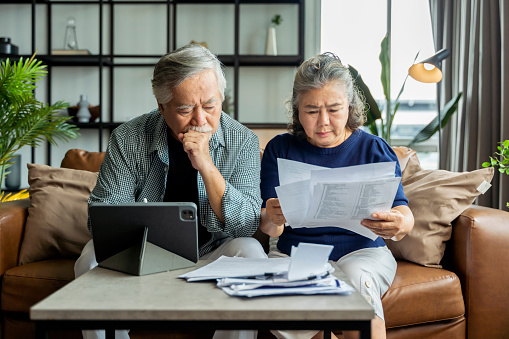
x=314, y=196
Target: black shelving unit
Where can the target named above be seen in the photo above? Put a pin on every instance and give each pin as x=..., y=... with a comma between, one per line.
x=110, y=60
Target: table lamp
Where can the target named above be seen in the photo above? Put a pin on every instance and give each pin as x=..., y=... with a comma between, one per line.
x=430, y=71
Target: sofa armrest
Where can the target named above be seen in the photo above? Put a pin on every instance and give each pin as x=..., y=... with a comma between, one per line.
x=13, y=215
x=479, y=255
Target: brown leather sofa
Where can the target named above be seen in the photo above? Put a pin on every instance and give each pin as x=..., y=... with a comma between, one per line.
x=469, y=298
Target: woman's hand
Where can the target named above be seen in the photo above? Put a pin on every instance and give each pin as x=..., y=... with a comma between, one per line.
x=394, y=224
x=274, y=212
x=272, y=220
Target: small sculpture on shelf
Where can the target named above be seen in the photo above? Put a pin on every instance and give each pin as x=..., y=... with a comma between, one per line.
x=71, y=40
x=72, y=112
x=83, y=114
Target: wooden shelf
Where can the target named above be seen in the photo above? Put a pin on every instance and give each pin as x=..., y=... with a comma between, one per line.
x=74, y=60
x=270, y=60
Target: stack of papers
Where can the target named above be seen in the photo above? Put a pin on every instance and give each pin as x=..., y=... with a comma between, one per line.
x=281, y=286
x=306, y=271
x=314, y=196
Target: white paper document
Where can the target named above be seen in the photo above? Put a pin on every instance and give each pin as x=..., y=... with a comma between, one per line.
x=237, y=267
x=306, y=261
x=314, y=196
x=306, y=271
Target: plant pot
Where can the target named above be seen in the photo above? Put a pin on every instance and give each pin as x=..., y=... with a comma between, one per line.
x=13, y=179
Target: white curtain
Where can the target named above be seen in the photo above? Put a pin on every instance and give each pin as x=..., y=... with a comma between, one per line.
x=476, y=32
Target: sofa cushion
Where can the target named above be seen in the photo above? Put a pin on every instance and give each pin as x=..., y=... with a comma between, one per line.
x=56, y=226
x=408, y=161
x=83, y=160
x=436, y=198
x=25, y=285
x=421, y=295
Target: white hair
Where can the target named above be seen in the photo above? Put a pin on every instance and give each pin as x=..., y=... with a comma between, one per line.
x=181, y=64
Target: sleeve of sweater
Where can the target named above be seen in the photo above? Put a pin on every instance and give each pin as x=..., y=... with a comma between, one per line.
x=269, y=173
x=382, y=152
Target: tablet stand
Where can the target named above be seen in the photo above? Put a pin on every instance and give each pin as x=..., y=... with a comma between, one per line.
x=145, y=258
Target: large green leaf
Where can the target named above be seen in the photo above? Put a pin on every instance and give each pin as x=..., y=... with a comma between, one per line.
x=386, y=67
x=371, y=109
x=432, y=127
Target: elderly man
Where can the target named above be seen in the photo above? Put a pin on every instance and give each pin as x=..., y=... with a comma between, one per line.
x=187, y=150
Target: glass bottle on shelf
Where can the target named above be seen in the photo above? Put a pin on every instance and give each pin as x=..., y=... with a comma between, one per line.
x=71, y=41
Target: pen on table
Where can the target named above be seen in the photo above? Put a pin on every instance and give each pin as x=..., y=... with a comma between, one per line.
x=318, y=276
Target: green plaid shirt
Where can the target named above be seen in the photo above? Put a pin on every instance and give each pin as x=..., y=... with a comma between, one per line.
x=136, y=164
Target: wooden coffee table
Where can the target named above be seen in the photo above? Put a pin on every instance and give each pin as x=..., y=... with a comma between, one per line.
x=106, y=299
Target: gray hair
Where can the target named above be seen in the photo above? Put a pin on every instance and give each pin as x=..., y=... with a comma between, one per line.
x=181, y=64
x=315, y=73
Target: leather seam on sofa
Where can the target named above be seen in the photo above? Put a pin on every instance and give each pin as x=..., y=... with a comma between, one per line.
x=468, y=253
x=34, y=277
x=459, y=317
x=470, y=218
x=452, y=277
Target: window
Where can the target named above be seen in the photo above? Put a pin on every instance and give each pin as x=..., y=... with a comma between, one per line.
x=353, y=30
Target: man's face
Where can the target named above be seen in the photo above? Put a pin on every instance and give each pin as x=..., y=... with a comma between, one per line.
x=196, y=104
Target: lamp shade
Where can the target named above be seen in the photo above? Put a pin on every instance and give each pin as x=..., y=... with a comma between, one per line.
x=429, y=70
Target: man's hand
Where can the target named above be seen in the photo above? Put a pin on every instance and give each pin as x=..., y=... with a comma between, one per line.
x=394, y=224
x=196, y=145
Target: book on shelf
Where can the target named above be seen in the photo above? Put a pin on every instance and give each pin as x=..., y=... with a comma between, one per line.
x=70, y=52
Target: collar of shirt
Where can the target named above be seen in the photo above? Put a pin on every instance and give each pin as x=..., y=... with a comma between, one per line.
x=160, y=142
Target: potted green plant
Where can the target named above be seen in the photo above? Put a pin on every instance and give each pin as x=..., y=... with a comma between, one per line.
x=374, y=113
x=25, y=121
x=500, y=159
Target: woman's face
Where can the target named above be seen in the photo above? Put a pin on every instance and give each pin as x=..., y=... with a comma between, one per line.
x=323, y=113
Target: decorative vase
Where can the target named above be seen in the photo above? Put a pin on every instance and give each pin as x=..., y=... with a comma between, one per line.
x=83, y=114
x=13, y=179
x=271, y=47
x=71, y=40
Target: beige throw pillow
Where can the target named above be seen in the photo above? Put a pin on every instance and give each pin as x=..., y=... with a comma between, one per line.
x=436, y=198
x=57, y=217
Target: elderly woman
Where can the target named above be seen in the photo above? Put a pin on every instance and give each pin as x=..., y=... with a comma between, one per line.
x=327, y=111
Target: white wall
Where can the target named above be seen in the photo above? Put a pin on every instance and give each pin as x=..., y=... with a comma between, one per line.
x=140, y=29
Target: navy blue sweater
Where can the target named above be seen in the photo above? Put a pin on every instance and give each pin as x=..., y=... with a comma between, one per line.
x=360, y=148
